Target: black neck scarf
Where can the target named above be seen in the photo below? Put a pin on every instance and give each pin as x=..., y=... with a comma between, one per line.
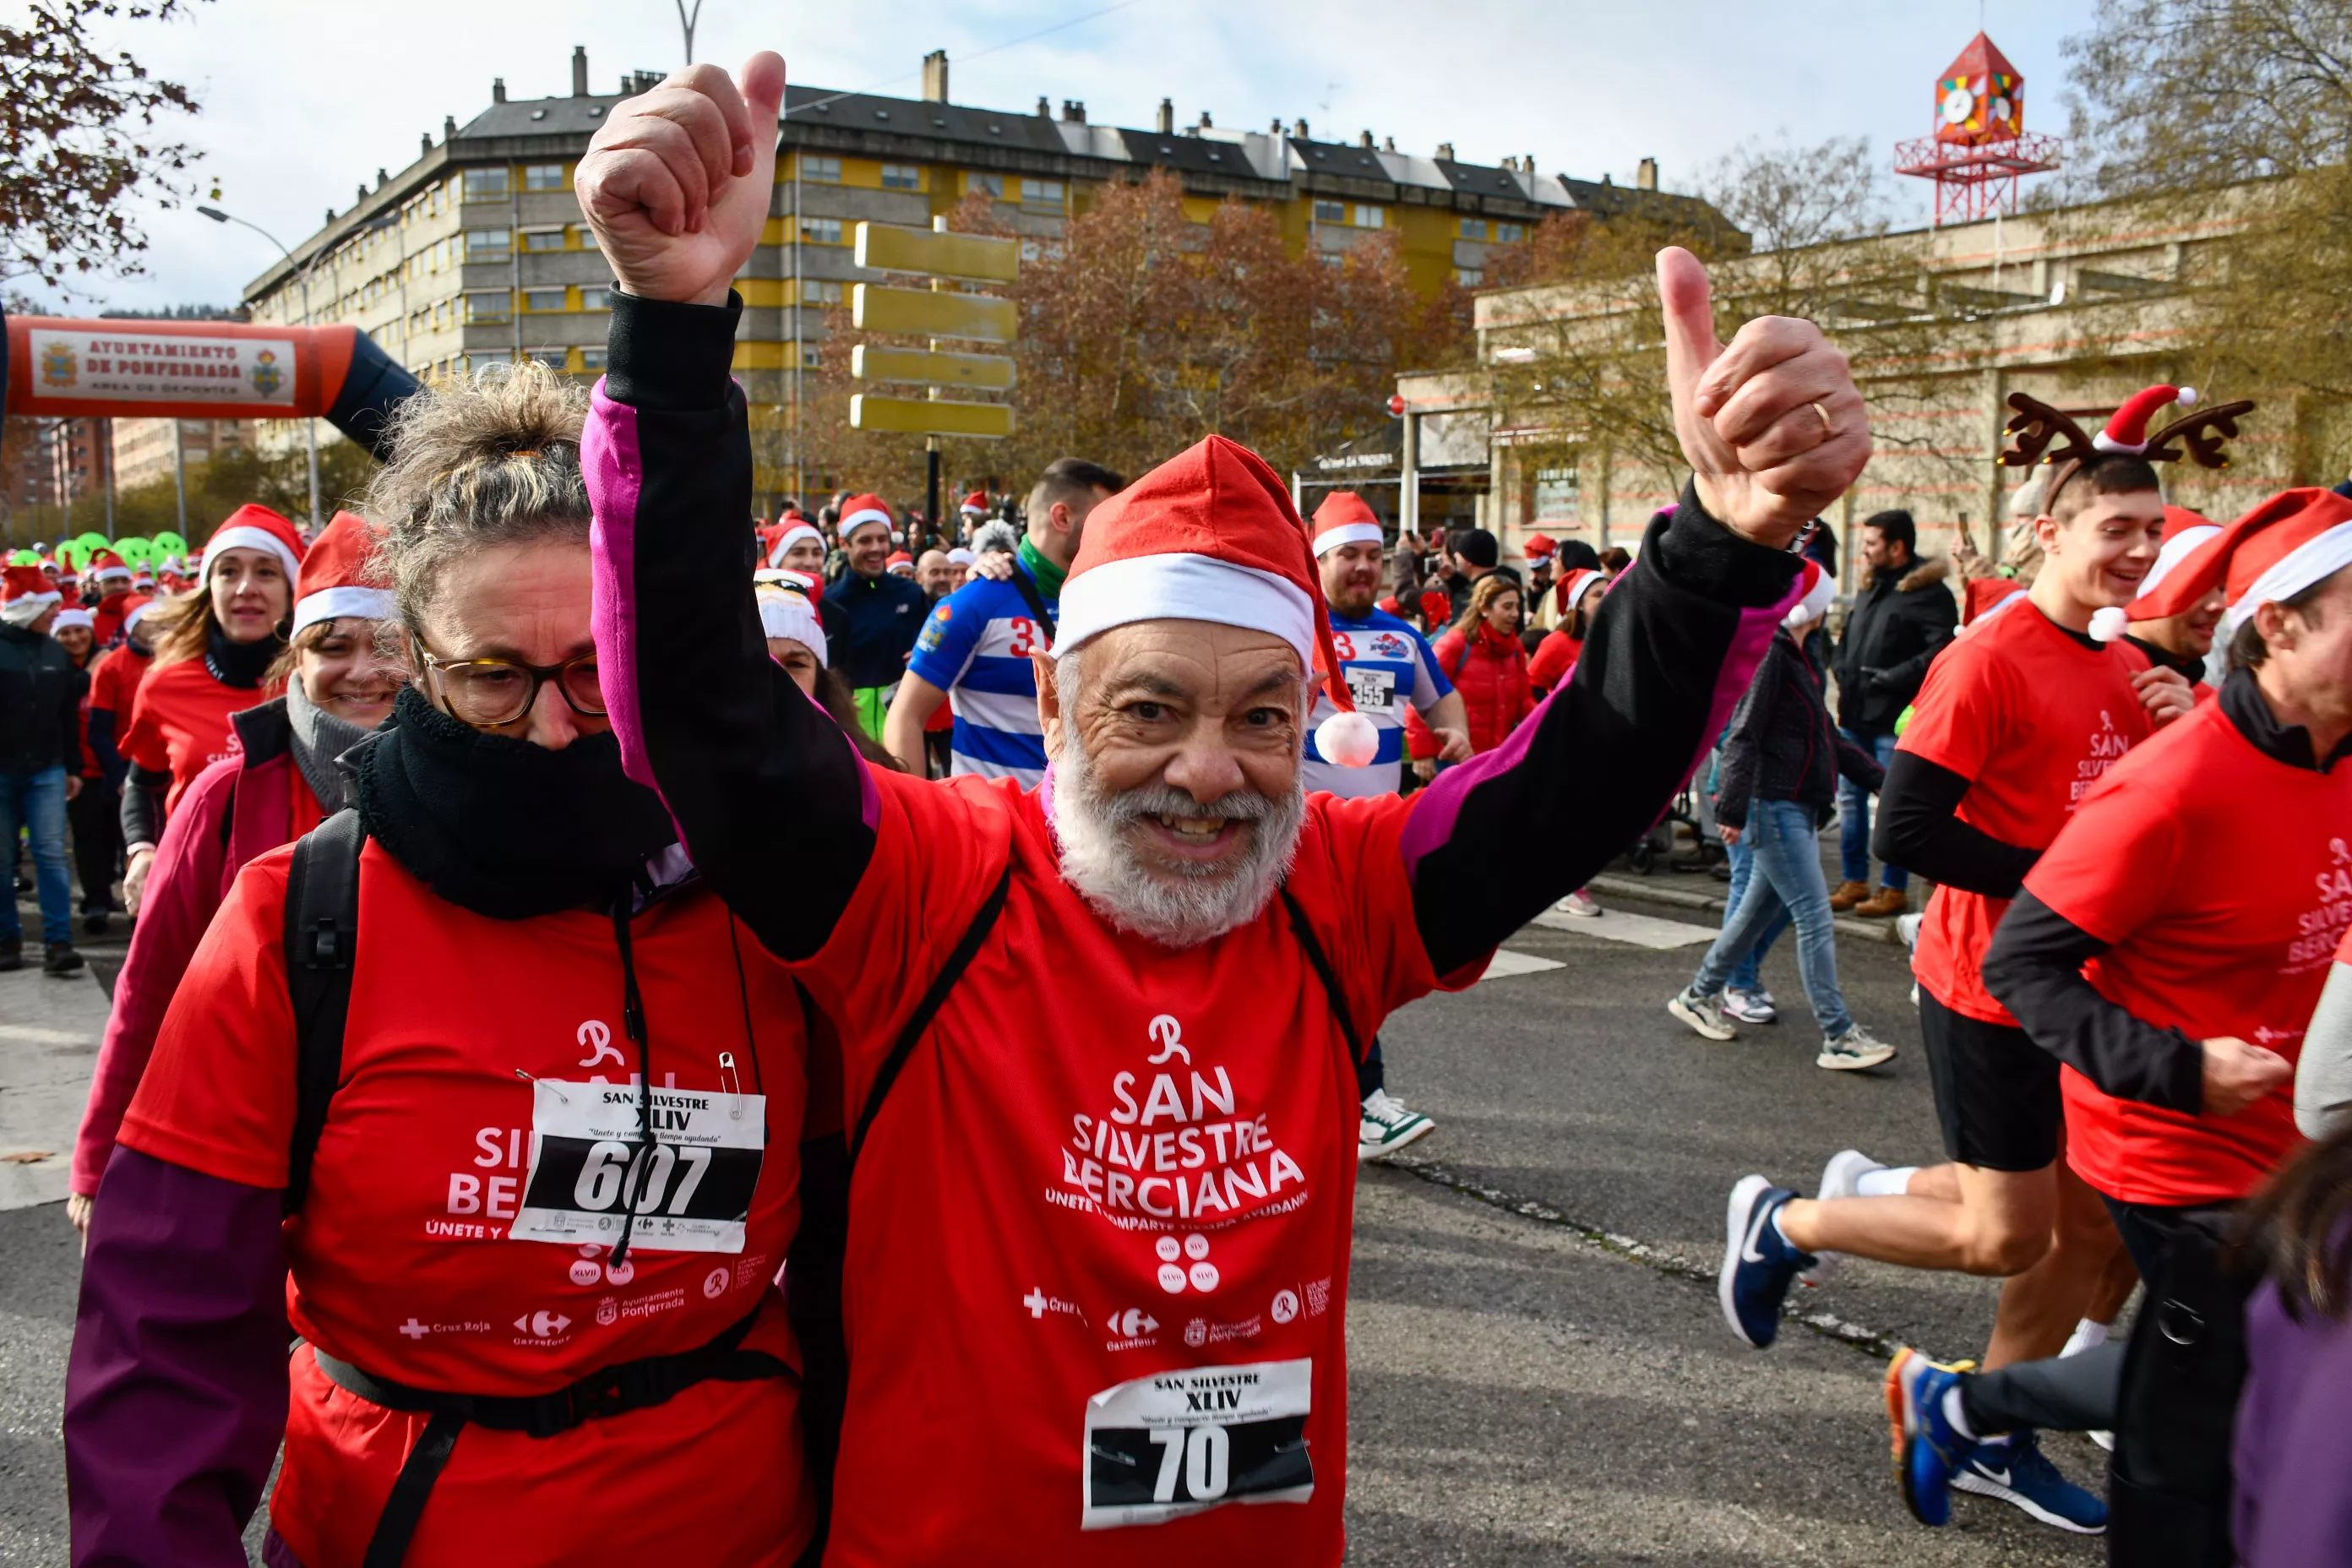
x=240, y=664
x=501, y=827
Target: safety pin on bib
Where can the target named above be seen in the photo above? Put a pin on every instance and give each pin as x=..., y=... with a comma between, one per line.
x=551, y=1086
x=731, y=1084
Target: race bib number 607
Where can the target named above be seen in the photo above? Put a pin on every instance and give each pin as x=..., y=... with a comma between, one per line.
x=692, y=1189
x=1175, y=1443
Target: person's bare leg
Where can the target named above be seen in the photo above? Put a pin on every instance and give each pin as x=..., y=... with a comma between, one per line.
x=2115, y=1284
x=2001, y=1225
x=1941, y=1182
x=2039, y=1306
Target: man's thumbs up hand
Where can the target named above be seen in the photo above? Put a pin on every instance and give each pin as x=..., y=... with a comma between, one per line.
x=1771, y=424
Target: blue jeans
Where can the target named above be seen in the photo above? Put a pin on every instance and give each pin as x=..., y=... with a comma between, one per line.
x=1786, y=882
x=36, y=803
x=1854, y=817
x=1745, y=976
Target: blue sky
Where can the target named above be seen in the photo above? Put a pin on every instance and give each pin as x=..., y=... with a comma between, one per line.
x=305, y=98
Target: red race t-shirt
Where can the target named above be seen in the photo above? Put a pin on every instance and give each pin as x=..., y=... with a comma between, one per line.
x=116, y=681
x=2223, y=881
x=2032, y=718
x=180, y=721
x=1099, y=1246
x=458, y=1229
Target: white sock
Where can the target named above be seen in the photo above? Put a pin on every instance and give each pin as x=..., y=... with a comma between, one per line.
x=1891, y=1183
x=1777, y=1216
x=1953, y=1414
x=2088, y=1336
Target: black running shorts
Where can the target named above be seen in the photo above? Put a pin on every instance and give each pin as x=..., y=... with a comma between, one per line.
x=1996, y=1091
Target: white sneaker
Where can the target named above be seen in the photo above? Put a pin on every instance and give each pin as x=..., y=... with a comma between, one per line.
x=1840, y=1179
x=1580, y=903
x=1703, y=1013
x=1853, y=1050
x=1388, y=1126
x=1750, y=1006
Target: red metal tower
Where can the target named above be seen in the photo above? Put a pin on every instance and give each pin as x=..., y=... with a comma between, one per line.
x=1980, y=146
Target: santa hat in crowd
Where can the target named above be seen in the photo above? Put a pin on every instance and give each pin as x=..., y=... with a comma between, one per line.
x=253, y=527
x=2127, y=427
x=788, y=538
x=2293, y=540
x=107, y=567
x=1571, y=587
x=974, y=504
x=860, y=511
x=901, y=562
x=1344, y=519
x=336, y=583
x=28, y=595
x=77, y=616
x=1983, y=598
x=2184, y=531
x=135, y=610
x=1813, y=600
x=1211, y=535
x=785, y=612
x=959, y=556
x=1540, y=548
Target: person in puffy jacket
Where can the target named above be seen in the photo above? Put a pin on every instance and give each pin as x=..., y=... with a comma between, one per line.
x=1480, y=653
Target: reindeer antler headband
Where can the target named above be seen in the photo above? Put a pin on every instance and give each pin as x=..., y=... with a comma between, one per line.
x=2036, y=427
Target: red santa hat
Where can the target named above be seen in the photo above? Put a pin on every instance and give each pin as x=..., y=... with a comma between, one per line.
x=27, y=593
x=1986, y=597
x=253, y=527
x=2184, y=530
x=1571, y=587
x=107, y=564
x=975, y=504
x=860, y=511
x=335, y=582
x=73, y=617
x=1813, y=600
x=2126, y=429
x=1211, y=535
x=788, y=538
x=1344, y=519
x=2290, y=541
x=1540, y=547
x=135, y=610
x=901, y=562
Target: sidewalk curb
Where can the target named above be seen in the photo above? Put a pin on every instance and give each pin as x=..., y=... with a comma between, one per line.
x=1659, y=892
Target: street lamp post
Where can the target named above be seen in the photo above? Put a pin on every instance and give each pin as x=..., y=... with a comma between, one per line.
x=302, y=275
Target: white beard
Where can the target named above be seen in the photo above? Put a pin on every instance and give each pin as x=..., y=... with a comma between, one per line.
x=1180, y=906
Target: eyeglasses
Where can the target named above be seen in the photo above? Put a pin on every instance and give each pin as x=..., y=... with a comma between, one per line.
x=491, y=692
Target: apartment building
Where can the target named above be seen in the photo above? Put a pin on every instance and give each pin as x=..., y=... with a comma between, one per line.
x=144, y=452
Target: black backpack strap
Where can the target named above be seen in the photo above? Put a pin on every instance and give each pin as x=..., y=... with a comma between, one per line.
x=1036, y=600
x=927, y=1009
x=322, y=924
x=1321, y=962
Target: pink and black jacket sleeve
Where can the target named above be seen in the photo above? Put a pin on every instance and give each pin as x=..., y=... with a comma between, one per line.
x=779, y=812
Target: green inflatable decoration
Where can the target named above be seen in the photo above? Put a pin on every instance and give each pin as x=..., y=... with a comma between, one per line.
x=26, y=558
x=135, y=551
x=92, y=542
x=72, y=555
x=169, y=544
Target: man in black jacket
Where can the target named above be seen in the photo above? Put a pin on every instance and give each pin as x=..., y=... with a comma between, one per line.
x=41, y=757
x=1899, y=622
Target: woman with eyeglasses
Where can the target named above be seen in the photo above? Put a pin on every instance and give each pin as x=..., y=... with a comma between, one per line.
x=531, y=1250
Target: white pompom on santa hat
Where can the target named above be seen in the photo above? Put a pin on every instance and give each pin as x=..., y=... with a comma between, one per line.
x=255, y=527
x=336, y=582
x=1211, y=535
x=2293, y=540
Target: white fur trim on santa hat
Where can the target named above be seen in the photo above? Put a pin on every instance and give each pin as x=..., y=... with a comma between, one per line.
x=959, y=556
x=138, y=614
x=785, y=614
x=2308, y=562
x=247, y=537
x=1331, y=539
x=2175, y=549
x=70, y=618
x=860, y=518
x=791, y=537
x=351, y=601
x=1182, y=587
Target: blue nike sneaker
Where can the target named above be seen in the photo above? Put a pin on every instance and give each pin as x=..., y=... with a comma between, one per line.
x=1759, y=1265
x=1927, y=1451
x=2018, y=1472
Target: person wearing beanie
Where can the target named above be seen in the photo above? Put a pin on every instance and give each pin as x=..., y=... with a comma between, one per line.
x=884, y=610
x=41, y=690
x=214, y=660
x=279, y=780
x=1477, y=553
x=1170, y=941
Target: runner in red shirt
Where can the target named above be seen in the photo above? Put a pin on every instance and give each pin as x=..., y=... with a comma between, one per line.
x=533, y=1264
x=2181, y=639
x=214, y=661
x=2170, y=950
x=2016, y=723
x=1099, y=1037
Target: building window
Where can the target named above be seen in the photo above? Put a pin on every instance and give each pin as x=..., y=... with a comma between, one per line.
x=488, y=245
x=809, y=360
x=543, y=240
x=1556, y=495
x=819, y=291
x=596, y=298
x=1510, y=232
x=484, y=362
x=820, y=171
x=485, y=184
x=993, y=183
x=593, y=359
x=485, y=305
x=1469, y=277
x=553, y=359
x=1041, y=195
x=1474, y=228
x=820, y=231
x=1330, y=212
x=543, y=177
x=901, y=177
x=541, y=299
x=587, y=238
x=1368, y=218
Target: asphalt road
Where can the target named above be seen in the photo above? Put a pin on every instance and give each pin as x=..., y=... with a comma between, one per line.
x=1548, y=1387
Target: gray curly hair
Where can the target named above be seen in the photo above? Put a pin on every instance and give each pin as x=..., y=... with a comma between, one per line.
x=487, y=459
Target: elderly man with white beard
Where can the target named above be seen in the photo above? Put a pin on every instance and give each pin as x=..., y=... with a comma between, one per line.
x=1097, y=1039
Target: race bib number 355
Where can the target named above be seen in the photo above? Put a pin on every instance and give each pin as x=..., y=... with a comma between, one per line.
x=691, y=1188
x=1175, y=1443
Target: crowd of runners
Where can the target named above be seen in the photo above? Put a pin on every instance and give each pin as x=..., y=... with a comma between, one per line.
x=851, y=1035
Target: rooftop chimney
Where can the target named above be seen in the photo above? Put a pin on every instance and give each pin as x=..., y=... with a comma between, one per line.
x=1044, y=109
x=382, y=179
x=448, y=127
x=361, y=197
x=1646, y=175
x=1167, y=121
x=424, y=143
x=1365, y=140
x=1206, y=123
x=579, y=70
x=498, y=90
x=935, y=76
x=1299, y=130
x=1528, y=163
x=1445, y=152
x=1388, y=143
x=1073, y=110
x=331, y=215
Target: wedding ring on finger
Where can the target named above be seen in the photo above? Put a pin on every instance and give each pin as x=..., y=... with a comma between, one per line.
x=1828, y=427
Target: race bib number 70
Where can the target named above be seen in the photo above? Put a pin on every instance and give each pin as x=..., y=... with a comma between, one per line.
x=1160, y=1447
x=691, y=1188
